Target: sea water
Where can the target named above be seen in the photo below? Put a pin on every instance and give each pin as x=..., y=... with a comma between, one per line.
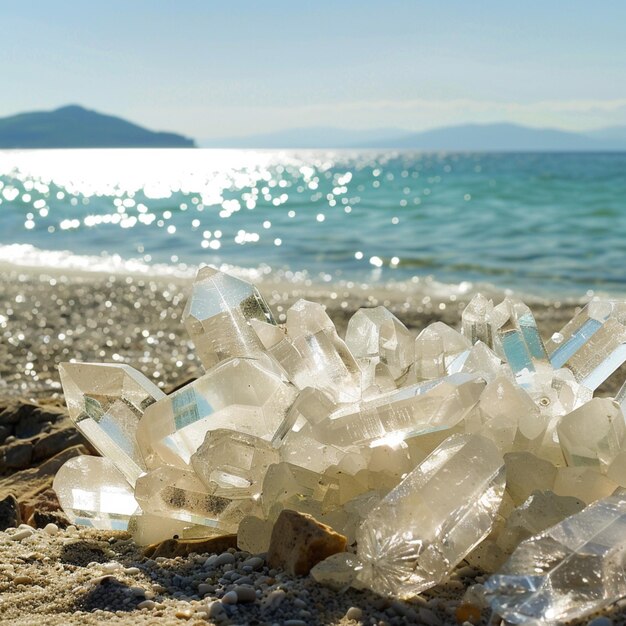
x=549, y=224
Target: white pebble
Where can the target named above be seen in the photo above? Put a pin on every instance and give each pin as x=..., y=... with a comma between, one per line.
x=230, y=597
x=146, y=604
x=215, y=609
x=274, y=599
x=111, y=566
x=51, y=529
x=22, y=534
x=354, y=613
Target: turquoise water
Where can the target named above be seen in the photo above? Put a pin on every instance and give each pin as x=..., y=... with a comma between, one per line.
x=542, y=223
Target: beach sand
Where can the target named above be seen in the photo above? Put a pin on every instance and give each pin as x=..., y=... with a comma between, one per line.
x=46, y=318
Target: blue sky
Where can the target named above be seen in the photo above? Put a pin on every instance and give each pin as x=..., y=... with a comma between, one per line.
x=212, y=69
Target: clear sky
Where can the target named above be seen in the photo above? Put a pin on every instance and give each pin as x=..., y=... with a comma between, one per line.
x=228, y=68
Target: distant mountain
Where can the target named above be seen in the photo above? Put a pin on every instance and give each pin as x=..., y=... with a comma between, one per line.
x=502, y=137
x=76, y=127
x=313, y=137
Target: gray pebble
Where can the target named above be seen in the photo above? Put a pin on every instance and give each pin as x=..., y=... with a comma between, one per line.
x=245, y=593
x=601, y=621
x=230, y=597
x=255, y=562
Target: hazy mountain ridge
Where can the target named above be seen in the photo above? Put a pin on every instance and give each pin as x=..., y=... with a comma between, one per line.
x=76, y=127
x=503, y=137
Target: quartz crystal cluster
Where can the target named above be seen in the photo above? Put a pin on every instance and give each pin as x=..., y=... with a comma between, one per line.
x=486, y=445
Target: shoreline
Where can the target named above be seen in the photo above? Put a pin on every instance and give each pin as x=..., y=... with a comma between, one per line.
x=51, y=316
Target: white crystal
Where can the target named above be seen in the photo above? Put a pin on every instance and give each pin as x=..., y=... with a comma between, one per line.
x=218, y=314
x=421, y=408
x=106, y=401
x=377, y=336
x=593, y=434
x=436, y=348
x=93, y=492
x=567, y=571
x=233, y=464
x=179, y=494
x=238, y=394
x=475, y=322
x=417, y=534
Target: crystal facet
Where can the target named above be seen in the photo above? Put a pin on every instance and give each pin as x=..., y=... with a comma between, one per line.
x=106, y=402
x=567, y=571
x=426, y=525
x=218, y=315
x=93, y=492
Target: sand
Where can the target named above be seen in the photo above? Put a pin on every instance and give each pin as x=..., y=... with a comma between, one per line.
x=50, y=317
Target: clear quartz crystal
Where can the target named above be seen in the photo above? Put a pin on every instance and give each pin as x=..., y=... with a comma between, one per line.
x=507, y=414
x=233, y=464
x=593, y=434
x=436, y=348
x=238, y=394
x=566, y=572
x=325, y=360
x=593, y=344
x=218, y=315
x=421, y=408
x=93, y=492
x=179, y=494
x=516, y=337
x=377, y=336
x=443, y=508
x=106, y=402
x=475, y=324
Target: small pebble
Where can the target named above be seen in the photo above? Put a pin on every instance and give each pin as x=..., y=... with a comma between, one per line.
x=226, y=558
x=354, y=613
x=184, y=614
x=146, y=604
x=601, y=621
x=230, y=597
x=255, y=562
x=215, y=609
x=245, y=593
x=111, y=566
x=467, y=613
x=274, y=599
x=23, y=580
x=23, y=533
x=51, y=529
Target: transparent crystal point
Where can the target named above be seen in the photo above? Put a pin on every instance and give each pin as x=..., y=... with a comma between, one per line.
x=233, y=464
x=436, y=348
x=516, y=337
x=593, y=434
x=593, y=344
x=218, y=314
x=507, y=415
x=93, y=492
x=315, y=356
x=475, y=324
x=106, y=402
x=238, y=394
x=408, y=411
x=179, y=494
x=567, y=571
x=443, y=508
x=376, y=335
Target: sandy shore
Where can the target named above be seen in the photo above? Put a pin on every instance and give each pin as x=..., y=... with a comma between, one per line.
x=52, y=317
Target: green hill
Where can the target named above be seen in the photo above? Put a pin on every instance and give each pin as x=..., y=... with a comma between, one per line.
x=76, y=127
